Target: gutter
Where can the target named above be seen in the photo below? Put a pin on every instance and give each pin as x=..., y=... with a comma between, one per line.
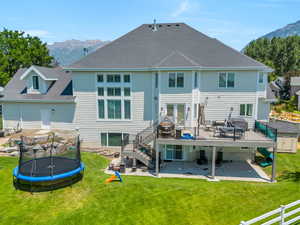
x=36, y=101
x=265, y=69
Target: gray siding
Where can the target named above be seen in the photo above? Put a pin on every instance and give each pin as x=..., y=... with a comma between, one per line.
x=84, y=85
x=29, y=116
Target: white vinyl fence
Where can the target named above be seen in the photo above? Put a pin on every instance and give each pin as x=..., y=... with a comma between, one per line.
x=282, y=218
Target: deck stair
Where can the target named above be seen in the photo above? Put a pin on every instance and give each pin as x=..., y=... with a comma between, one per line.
x=141, y=149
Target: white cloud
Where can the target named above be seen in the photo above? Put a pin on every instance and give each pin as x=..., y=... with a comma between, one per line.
x=39, y=33
x=183, y=7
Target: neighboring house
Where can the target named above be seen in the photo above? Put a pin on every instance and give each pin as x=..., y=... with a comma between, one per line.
x=295, y=88
x=127, y=85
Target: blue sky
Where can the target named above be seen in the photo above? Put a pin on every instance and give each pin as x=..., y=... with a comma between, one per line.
x=235, y=22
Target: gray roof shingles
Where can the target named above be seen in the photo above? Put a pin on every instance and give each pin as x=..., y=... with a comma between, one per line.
x=172, y=45
x=12, y=91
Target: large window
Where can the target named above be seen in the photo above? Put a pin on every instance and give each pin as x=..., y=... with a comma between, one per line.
x=101, y=109
x=114, y=97
x=226, y=80
x=113, y=78
x=113, y=139
x=176, y=80
x=246, y=109
x=114, y=109
x=35, y=82
x=111, y=91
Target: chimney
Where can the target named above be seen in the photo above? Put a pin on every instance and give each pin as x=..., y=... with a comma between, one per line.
x=154, y=26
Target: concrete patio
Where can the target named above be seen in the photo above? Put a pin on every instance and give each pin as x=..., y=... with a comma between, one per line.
x=236, y=170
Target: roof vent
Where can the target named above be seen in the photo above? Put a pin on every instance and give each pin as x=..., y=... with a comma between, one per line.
x=154, y=28
x=159, y=25
x=168, y=25
x=177, y=25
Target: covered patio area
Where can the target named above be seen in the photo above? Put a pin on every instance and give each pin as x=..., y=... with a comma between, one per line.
x=231, y=170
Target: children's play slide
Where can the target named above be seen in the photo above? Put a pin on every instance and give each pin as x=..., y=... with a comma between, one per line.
x=115, y=177
x=268, y=157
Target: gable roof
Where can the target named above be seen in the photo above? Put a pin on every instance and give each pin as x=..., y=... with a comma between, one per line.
x=172, y=45
x=13, y=91
x=45, y=72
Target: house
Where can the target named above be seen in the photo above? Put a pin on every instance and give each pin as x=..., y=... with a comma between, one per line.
x=120, y=91
x=295, y=88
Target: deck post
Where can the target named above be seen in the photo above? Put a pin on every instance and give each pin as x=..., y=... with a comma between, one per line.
x=273, y=179
x=213, y=163
x=156, y=158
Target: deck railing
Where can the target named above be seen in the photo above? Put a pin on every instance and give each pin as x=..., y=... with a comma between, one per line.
x=268, y=131
x=282, y=217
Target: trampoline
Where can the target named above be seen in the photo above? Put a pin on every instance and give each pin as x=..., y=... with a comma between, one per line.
x=49, y=166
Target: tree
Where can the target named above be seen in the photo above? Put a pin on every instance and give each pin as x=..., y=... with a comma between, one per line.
x=281, y=54
x=18, y=50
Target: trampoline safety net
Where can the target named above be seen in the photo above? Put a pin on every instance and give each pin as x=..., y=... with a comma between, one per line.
x=54, y=156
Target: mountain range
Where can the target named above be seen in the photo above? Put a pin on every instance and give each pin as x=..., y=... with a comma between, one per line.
x=68, y=52
x=288, y=30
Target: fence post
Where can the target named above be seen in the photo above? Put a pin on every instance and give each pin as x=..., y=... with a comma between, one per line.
x=282, y=214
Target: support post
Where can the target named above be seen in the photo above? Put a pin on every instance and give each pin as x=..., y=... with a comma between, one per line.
x=156, y=158
x=213, y=163
x=273, y=179
x=282, y=212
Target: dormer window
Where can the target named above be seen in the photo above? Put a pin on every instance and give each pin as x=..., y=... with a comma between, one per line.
x=35, y=82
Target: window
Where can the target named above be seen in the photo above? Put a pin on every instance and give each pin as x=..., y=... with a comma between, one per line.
x=100, y=91
x=113, y=139
x=101, y=109
x=127, y=92
x=174, y=152
x=127, y=109
x=261, y=77
x=35, y=82
x=180, y=80
x=103, y=139
x=176, y=80
x=172, y=79
x=100, y=78
x=113, y=78
x=113, y=91
x=246, y=109
x=126, y=78
x=226, y=80
x=196, y=80
x=156, y=80
x=114, y=109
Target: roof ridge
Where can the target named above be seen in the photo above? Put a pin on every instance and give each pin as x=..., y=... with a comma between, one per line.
x=179, y=53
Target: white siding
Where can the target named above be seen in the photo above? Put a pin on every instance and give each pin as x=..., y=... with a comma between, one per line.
x=90, y=127
x=220, y=100
x=29, y=115
x=263, y=109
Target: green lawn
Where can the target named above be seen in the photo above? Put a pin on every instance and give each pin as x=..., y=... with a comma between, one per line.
x=145, y=200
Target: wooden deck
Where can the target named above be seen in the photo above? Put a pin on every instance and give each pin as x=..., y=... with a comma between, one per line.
x=207, y=138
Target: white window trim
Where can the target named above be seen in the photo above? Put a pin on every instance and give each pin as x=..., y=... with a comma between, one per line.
x=263, y=78
x=246, y=116
x=110, y=132
x=165, y=152
x=121, y=85
x=176, y=80
x=226, y=87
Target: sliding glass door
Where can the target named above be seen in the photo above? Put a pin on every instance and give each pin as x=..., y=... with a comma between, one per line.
x=173, y=152
x=176, y=112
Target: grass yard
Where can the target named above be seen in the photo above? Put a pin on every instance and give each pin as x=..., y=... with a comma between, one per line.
x=146, y=200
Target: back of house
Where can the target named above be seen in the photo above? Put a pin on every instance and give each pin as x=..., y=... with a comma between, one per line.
x=155, y=70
